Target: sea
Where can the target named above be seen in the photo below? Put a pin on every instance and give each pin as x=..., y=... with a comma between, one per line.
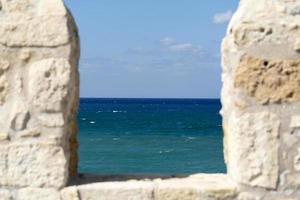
x=150, y=136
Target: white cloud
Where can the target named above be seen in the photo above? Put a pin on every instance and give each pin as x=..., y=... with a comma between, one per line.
x=220, y=18
x=170, y=44
x=167, y=41
x=185, y=47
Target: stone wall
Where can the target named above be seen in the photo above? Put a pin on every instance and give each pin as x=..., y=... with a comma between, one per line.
x=39, y=96
x=261, y=96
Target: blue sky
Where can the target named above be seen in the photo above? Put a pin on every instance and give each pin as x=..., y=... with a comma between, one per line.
x=151, y=48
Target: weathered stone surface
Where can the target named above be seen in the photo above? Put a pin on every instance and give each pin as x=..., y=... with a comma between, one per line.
x=16, y=6
x=40, y=31
x=37, y=165
x=134, y=190
x=253, y=152
x=38, y=88
x=269, y=81
x=52, y=7
x=37, y=194
x=51, y=79
x=197, y=187
x=251, y=33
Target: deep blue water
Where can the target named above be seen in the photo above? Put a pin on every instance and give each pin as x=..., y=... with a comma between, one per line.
x=152, y=136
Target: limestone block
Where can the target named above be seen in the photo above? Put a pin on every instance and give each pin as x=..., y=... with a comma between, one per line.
x=133, y=190
x=5, y=195
x=35, y=32
x=38, y=87
x=37, y=194
x=250, y=33
x=50, y=83
x=268, y=81
x=37, y=165
x=253, y=152
x=196, y=187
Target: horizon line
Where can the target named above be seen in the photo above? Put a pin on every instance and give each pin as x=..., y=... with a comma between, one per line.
x=149, y=98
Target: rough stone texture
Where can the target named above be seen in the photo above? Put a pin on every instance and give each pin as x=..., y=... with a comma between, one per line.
x=36, y=166
x=260, y=99
x=269, y=81
x=254, y=144
x=49, y=85
x=39, y=53
x=110, y=191
x=196, y=187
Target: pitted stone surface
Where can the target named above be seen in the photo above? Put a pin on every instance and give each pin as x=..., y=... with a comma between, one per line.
x=253, y=153
x=49, y=85
x=38, y=98
x=36, y=165
x=269, y=81
x=36, y=32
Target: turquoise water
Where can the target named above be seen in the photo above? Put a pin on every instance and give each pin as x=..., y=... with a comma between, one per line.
x=152, y=136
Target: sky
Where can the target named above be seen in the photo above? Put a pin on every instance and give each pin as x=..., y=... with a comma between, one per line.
x=151, y=48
